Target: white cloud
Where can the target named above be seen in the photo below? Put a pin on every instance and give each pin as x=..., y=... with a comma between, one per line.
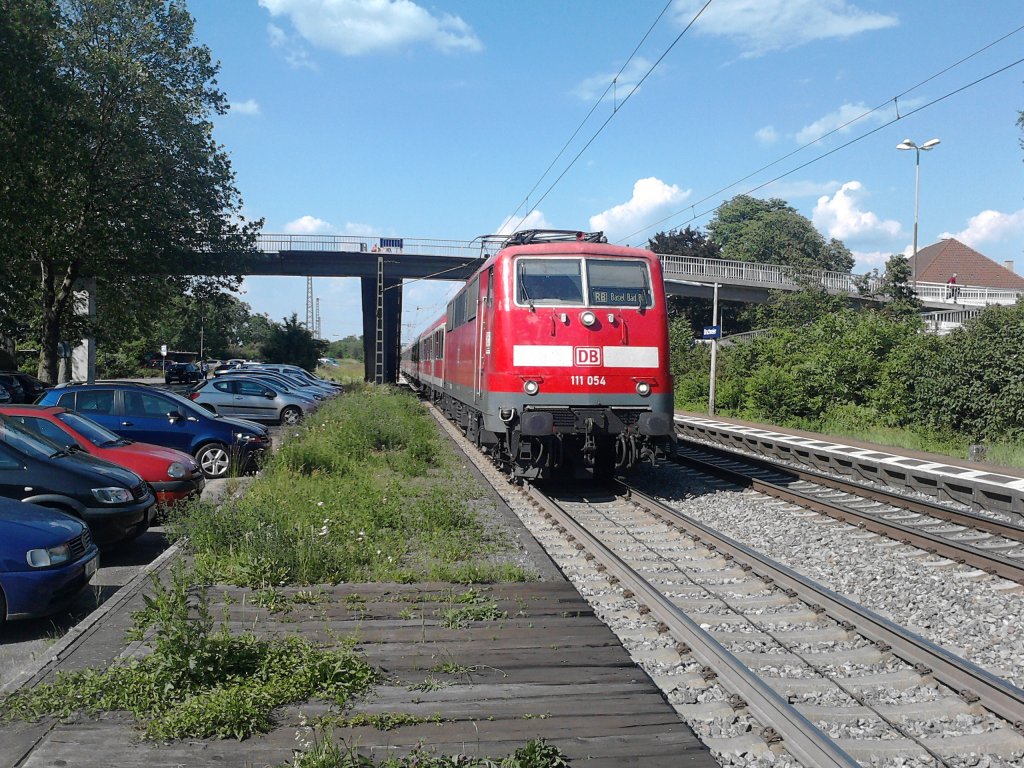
x=848, y=113
x=247, y=107
x=761, y=26
x=767, y=135
x=842, y=217
x=294, y=52
x=990, y=227
x=309, y=225
x=358, y=27
x=595, y=86
x=650, y=196
x=535, y=220
x=867, y=261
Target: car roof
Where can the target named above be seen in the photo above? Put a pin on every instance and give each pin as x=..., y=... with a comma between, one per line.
x=11, y=409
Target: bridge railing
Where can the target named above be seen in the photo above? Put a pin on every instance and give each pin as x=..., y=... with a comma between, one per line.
x=971, y=295
x=270, y=243
x=767, y=275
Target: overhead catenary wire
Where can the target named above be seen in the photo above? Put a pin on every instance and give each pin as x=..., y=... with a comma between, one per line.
x=615, y=111
x=854, y=140
x=593, y=109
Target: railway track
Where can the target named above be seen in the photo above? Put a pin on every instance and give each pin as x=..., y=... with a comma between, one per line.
x=749, y=650
x=835, y=682
x=990, y=544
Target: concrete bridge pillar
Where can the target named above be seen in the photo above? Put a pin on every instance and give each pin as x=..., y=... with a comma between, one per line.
x=387, y=293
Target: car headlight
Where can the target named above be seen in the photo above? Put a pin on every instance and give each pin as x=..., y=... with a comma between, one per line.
x=177, y=471
x=245, y=437
x=112, y=495
x=42, y=558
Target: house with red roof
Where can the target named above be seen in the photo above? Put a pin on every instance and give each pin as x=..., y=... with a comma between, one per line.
x=938, y=262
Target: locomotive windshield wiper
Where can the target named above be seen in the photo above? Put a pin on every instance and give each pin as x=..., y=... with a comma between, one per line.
x=522, y=282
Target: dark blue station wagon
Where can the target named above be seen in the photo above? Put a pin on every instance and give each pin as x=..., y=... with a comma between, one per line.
x=149, y=415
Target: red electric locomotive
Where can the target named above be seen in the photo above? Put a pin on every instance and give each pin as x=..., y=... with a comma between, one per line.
x=554, y=356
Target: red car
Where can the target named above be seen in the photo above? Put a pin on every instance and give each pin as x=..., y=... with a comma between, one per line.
x=173, y=475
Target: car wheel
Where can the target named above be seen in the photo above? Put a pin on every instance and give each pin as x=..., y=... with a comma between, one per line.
x=291, y=415
x=214, y=459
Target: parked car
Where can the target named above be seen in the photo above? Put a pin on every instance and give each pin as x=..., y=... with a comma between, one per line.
x=172, y=475
x=33, y=387
x=46, y=558
x=13, y=386
x=280, y=382
x=151, y=415
x=114, y=501
x=184, y=373
x=249, y=397
x=302, y=373
x=223, y=368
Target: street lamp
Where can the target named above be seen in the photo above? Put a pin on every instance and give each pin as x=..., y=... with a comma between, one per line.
x=908, y=144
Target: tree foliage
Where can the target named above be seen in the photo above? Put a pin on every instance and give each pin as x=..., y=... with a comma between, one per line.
x=772, y=232
x=112, y=171
x=291, y=343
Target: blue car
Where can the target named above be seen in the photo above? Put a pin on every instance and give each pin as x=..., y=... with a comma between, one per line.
x=46, y=559
x=149, y=415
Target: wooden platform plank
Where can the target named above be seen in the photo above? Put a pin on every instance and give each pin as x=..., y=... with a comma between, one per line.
x=550, y=669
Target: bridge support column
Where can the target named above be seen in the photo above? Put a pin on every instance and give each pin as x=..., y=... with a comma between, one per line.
x=385, y=294
x=82, y=364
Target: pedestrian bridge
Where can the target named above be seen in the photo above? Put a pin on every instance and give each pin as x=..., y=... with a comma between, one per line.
x=407, y=258
x=382, y=263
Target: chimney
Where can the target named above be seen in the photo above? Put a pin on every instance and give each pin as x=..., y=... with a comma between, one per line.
x=1008, y=264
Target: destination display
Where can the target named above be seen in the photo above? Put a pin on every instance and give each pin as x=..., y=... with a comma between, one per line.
x=620, y=296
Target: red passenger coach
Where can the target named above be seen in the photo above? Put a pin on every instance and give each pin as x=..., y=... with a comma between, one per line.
x=554, y=356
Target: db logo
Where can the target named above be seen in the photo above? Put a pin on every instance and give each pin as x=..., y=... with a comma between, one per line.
x=587, y=355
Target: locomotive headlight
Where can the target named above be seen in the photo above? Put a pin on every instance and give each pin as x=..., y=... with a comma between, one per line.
x=588, y=318
x=531, y=387
x=643, y=388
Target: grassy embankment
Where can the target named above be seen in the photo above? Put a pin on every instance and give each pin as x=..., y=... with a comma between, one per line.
x=366, y=490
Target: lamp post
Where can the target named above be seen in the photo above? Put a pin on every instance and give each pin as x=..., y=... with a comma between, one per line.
x=908, y=144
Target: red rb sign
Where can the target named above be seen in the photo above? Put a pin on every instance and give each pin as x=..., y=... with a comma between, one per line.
x=587, y=355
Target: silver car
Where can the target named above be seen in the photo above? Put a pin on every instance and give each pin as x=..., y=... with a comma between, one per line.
x=253, y=399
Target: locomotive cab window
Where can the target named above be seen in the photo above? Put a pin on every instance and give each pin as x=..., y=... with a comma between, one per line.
x=618, y=283
x=549, y=281
x=605, y=282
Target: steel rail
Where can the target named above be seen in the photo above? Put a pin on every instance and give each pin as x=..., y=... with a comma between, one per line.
x=801, y=737
x=1002, y=528
x=958, y=552
x=971, y=681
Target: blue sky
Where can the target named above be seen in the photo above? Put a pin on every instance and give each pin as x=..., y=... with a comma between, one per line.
x=437, y=120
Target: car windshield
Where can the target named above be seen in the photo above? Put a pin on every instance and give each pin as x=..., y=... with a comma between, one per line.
x=89, y=429
x=22, y=440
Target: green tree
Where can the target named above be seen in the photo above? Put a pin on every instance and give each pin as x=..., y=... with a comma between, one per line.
x=117, y=175
x=772, y=232
x=685, y=242
x=291, y=343
x=903, y=300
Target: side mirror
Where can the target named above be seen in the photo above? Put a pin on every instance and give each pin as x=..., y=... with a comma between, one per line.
x=270, y=395
x=173, y=416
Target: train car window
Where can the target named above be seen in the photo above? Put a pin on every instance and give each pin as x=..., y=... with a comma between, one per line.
x=439, y=346
x=549, y=281
x=612, y=283
x=450, y=319
x=472, y=298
